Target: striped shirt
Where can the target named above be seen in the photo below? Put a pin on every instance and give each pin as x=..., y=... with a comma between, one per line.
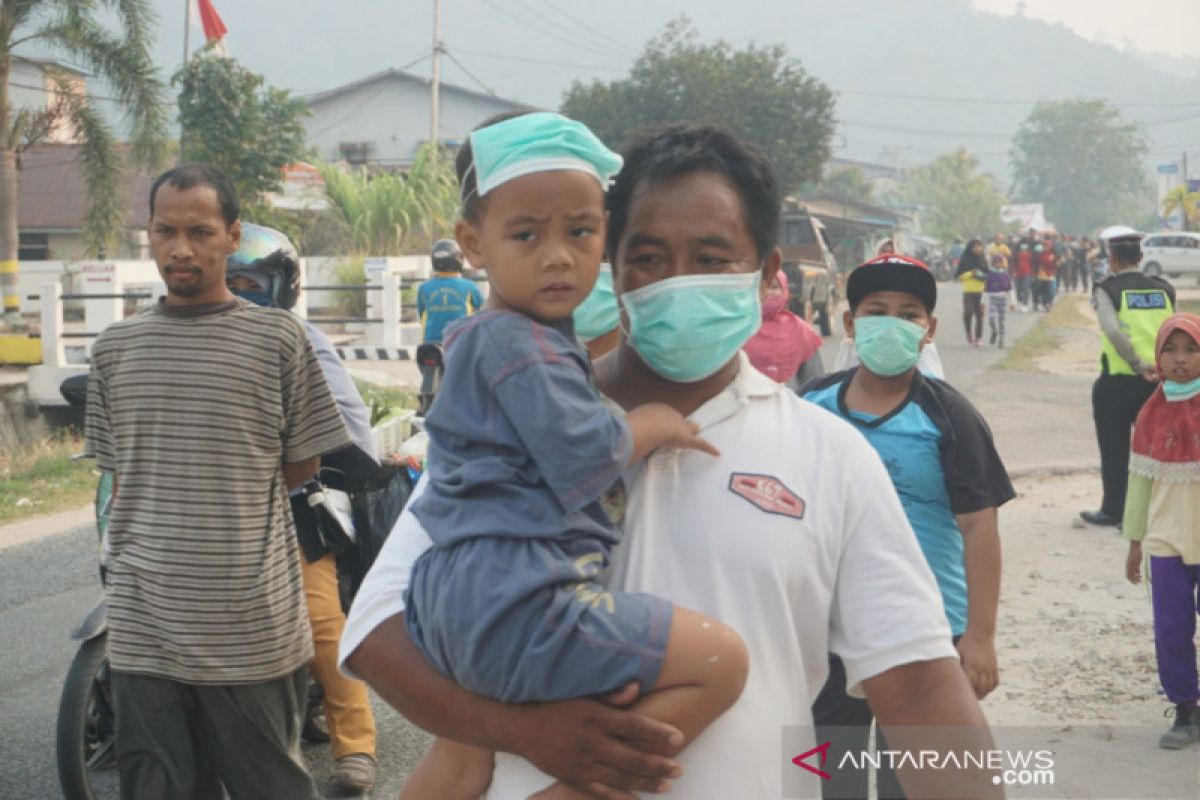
x=196, y=409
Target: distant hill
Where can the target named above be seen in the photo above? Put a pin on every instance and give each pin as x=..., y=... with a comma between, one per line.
x=944, y=49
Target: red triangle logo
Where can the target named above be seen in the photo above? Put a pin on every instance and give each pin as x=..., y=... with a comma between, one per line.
x=823, y=749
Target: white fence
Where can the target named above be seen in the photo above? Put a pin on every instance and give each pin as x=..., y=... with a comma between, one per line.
x=106, y=289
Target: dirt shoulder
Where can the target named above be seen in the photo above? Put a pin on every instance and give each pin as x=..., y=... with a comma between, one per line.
x=1075, y=640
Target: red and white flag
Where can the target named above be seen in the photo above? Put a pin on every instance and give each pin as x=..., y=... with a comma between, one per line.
x=205, y=16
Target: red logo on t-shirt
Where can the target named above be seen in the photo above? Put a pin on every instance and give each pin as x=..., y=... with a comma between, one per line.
x=768, y=493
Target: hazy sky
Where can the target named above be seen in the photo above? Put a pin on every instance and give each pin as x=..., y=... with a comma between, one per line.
x=1167, y=26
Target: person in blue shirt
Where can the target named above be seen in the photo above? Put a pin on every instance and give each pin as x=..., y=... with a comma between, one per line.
x=441, y=301
x=943, y=464
x=447, y=296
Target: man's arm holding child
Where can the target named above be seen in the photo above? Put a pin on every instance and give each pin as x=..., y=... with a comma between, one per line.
x=584, y=743
x=981, y=558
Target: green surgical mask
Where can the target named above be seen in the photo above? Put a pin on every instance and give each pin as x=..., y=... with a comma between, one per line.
x=598, y=313
x=1177, y=392
x=687, y=328
x=887, y=346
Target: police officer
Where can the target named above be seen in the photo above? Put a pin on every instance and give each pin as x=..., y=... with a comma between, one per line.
x=1131, y=307
x=445, y=297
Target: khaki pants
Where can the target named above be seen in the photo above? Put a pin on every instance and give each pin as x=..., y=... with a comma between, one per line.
x=347, y=707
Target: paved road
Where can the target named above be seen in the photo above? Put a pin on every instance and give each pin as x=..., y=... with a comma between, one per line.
x=46, y=587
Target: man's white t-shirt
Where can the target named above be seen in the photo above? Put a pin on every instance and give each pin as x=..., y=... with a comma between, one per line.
x=794, y=537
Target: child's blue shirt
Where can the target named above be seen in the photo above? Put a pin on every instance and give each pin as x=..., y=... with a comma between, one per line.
x=520, y=443
x=942, y=461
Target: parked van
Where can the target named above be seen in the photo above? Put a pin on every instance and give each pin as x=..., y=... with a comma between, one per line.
x=811, y=267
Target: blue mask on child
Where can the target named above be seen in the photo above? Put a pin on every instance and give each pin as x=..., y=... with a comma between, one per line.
x=259, y=298
x=1177, y=392
x=887, y=346
x=598, y=313
x=687, y=328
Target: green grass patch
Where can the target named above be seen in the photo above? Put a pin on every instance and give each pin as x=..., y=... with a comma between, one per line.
x=1046, y=336
x=43, y=479
x=384, y=400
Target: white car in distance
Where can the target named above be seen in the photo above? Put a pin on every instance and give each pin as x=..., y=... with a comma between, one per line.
x=1172, y=254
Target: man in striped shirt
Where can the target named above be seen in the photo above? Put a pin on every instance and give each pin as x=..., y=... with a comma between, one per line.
x=207, y=408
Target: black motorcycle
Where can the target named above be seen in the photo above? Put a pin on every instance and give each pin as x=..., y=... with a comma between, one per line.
x=85, y=741
x=431, y=361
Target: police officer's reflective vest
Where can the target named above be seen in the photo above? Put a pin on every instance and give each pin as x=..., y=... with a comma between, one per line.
x=1143, y=303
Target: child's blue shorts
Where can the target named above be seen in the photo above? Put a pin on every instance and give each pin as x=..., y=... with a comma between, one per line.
x=525, y=620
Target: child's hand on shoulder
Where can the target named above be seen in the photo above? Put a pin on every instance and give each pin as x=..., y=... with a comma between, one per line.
x=657, y=425
x=686, y=434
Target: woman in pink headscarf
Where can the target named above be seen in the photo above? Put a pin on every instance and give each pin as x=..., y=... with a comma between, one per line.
x=786, y=348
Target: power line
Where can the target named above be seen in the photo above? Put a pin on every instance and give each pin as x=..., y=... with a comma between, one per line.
x=502, y=57
x=925, y=132
x=551, y=34
x=591, y=32
x=998, y=102
x=470, y=74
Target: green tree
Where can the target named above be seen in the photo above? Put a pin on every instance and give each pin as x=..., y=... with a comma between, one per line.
x=392, y=214
x=1083, y=160
x=758, y=92
x=955, y=199
x=1182, y=200
x=120, y=58
x=847, y=182
x=230, y=118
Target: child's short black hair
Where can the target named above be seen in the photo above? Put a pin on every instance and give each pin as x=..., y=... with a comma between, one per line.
x=468, y=189
x=673, y=151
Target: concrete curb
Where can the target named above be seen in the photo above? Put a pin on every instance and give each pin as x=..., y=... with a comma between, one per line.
x=34, y=528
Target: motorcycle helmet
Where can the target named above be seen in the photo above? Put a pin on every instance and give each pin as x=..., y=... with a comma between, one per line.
x=446, y=255
x=266, y=254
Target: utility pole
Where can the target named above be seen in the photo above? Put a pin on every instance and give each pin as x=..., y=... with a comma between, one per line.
x=436, y=79
x=1185, y=170
x=187, y=27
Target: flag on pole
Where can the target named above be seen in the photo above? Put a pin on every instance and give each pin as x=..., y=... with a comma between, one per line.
x=205, y=16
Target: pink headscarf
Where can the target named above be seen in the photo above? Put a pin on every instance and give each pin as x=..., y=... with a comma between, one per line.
x=784, y=341
x=1166, y=437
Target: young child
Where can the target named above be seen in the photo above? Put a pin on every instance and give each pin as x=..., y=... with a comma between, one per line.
x=524, y=495
x=997, y=287
x=940, y=455
x=1162, y=517
x=786, y=348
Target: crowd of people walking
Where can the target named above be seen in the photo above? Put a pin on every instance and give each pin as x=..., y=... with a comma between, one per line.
x=1023, y=272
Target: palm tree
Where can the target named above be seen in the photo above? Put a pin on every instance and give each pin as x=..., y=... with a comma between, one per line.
x=122, y=59
x=392, y=214
x=1183, y=200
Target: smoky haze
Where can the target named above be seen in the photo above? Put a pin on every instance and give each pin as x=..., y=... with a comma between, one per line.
x=915, y=79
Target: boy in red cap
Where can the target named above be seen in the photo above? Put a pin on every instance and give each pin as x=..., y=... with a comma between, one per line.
x=943, y=464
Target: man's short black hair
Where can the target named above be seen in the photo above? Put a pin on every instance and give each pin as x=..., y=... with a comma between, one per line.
x=674, y=151
x=187, y=176
x=468, y=189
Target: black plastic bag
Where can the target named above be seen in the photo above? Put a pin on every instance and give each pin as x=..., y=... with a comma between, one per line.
x=376, y=507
